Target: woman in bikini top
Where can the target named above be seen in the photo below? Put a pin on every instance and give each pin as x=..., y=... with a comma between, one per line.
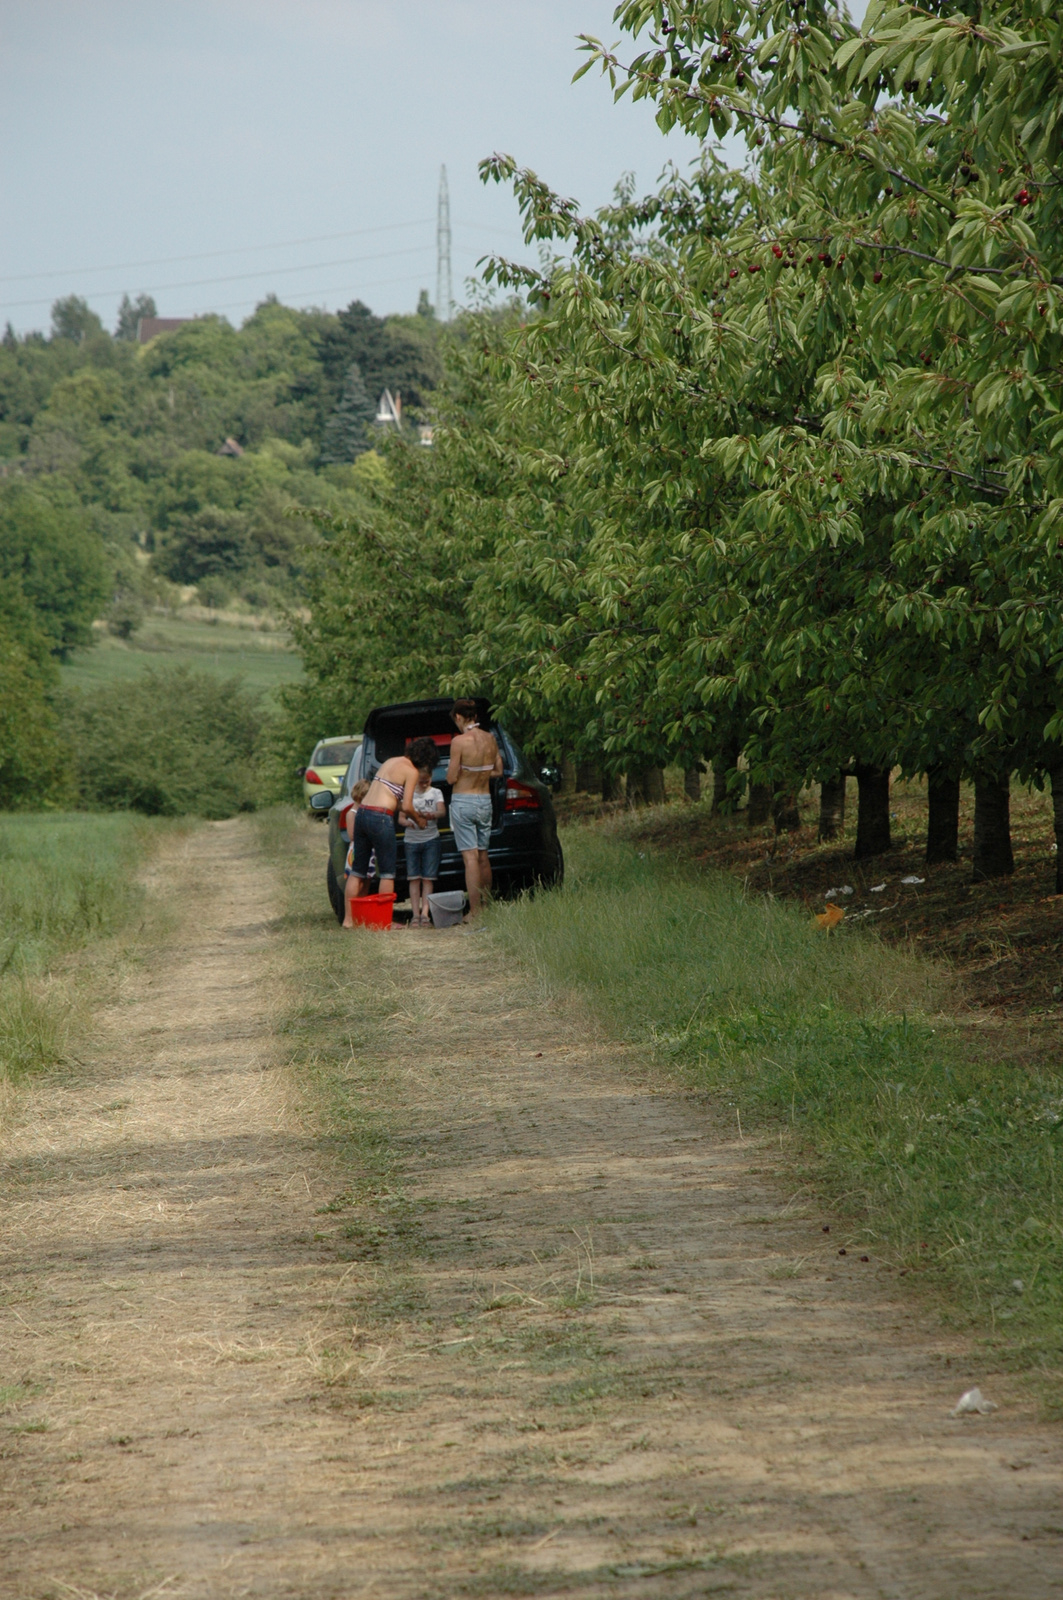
x=474, y=758
x=392, y=788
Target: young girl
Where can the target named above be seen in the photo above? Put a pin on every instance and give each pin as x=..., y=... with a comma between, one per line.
x=423, y=849
x=358, y=794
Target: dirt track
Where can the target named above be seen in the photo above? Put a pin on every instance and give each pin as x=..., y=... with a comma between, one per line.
x=591, y=1348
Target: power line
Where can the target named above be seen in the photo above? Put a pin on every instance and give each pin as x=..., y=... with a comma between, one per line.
x=211, y=255
x=243, y=277
x=308, y=294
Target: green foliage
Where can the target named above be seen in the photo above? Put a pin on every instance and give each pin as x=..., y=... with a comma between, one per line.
x=29, y=748
x=347, y=433
x=130, y=313
x=168, y=743
x=949, y=1160
x=51, y=555
x=73, y=319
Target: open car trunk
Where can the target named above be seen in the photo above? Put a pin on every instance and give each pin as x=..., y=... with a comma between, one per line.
x=391, y=730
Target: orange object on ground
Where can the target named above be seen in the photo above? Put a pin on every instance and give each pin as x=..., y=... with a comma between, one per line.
x=827, y=919
x=373, y=910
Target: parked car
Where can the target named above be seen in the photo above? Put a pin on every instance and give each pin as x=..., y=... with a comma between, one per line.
x=524, y=848
x=328, y=764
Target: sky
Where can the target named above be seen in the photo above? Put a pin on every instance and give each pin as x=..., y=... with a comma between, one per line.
x=210, y=152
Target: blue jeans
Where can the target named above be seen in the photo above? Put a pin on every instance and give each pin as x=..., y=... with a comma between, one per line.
x=470, y=817
x=422, y=856
x=374, y=830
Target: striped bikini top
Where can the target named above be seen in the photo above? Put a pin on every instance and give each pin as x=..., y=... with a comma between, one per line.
x=396, y=788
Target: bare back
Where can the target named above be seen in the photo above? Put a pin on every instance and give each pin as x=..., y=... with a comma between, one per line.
x=474, y=761
x=395, y=774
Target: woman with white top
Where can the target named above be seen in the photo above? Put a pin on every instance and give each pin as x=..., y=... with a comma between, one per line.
x=474, y=760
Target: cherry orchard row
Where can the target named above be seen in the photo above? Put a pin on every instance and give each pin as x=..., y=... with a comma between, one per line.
x=774, y=466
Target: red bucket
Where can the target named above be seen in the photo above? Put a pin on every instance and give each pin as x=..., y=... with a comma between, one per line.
x=373, y=910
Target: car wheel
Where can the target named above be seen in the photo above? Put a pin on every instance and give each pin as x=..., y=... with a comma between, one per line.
x=335, y=893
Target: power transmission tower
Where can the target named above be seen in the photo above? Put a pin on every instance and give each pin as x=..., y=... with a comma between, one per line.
x=444, y=291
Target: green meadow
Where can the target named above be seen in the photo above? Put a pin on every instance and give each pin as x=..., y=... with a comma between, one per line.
x=67, y=882
x=263, y=658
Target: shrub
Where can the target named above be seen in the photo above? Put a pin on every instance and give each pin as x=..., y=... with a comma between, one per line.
x=170, y=743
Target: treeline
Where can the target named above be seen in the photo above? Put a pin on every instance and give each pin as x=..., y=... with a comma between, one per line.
x=132, y=475
x=769, y=474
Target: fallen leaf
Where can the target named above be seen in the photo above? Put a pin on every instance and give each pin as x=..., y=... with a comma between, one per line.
x=830, y=918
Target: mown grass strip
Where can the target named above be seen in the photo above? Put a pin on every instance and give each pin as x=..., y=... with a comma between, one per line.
x=946, y=1155
x=67, y=882
x=334, y=998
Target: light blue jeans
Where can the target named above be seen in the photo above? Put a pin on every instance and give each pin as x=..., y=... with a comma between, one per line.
x=470, y=818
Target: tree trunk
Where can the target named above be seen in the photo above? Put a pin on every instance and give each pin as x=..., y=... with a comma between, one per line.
x=588, y=776
x=723, y=764
x=992, y=829
x=568, y=776
x=656, y=794
x=610, y=786
x=943, y=818
x=692, y=783
x=758, y=806
x=636, y=786
x=785, y=811
x=873, y=811
x=1056, y=776
x=832, y=808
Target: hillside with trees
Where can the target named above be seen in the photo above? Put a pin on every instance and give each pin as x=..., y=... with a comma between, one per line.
x=132, y=476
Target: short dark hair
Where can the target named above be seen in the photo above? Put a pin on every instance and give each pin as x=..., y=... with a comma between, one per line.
x=424, y=754
x=466, y=708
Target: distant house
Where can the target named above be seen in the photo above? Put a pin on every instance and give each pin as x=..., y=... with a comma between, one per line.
x=150, y=327
x=389, y=410
x=230, y=448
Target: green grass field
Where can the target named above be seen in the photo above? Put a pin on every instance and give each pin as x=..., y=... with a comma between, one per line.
x=265, y=660
x=943, y=1150
x=67, y=880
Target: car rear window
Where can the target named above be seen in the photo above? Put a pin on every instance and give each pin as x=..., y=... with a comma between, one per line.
x=334, y=755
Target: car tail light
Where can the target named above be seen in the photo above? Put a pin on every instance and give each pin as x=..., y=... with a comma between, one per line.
x=343, y=814
x=521, y=797
x=311, y=776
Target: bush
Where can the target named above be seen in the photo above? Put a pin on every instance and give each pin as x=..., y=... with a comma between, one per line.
x=28, y=747
x=170, y=743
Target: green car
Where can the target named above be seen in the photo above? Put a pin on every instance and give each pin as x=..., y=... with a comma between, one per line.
x=327, y=765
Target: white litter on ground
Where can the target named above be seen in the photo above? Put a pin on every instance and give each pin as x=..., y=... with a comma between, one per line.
x=972, y=1403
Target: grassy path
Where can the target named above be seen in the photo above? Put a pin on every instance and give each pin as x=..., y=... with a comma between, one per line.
x=465, y=1301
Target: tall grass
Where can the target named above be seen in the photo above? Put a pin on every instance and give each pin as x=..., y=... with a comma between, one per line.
x=66, y=880
x=944, y=1156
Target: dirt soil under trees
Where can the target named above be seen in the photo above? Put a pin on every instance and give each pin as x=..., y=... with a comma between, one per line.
x=588, y=1342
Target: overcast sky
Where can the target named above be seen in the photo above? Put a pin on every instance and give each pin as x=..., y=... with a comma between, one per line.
x=243, y=132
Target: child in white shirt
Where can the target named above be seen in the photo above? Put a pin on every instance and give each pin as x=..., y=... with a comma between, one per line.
x=423, y=849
